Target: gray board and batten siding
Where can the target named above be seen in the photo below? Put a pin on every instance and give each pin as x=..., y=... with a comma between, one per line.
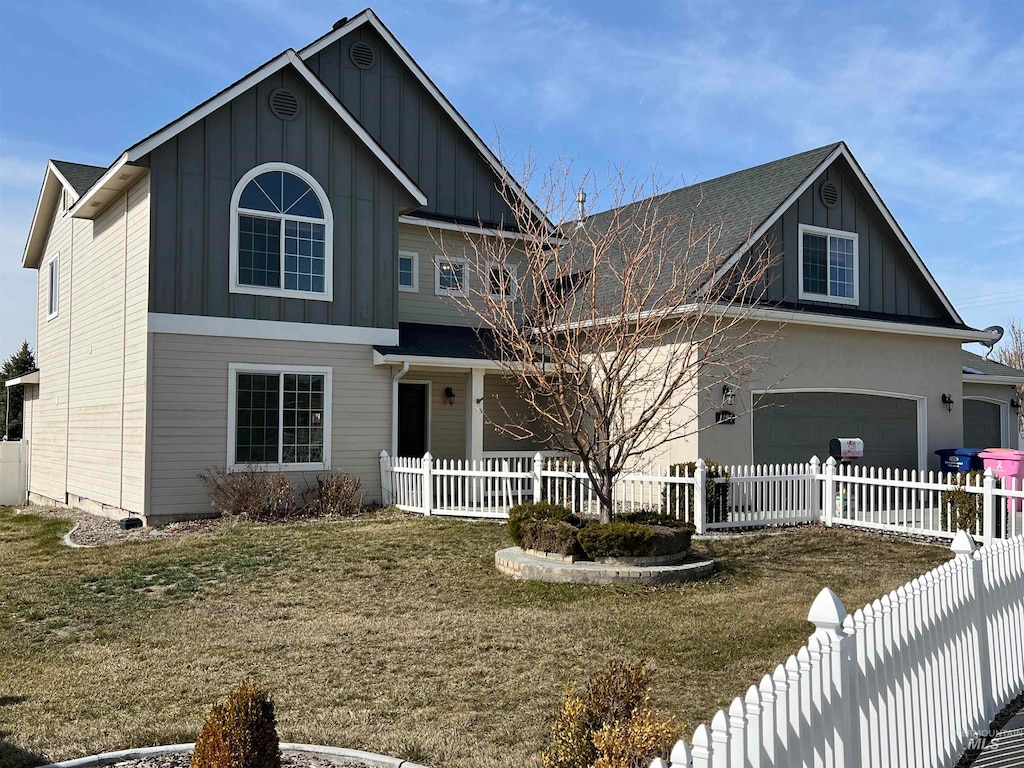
x=395, y=108
x=193, y=177
x=889, y=281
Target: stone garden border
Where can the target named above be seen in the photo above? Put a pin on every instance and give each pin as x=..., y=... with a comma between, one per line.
x=521, y=566
x=370, y=759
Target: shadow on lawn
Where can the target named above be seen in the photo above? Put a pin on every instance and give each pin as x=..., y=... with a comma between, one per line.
x=10, y=755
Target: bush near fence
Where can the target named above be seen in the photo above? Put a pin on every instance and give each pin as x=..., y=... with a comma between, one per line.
x=716, y=495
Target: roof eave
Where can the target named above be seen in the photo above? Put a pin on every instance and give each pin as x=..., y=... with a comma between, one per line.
x=53, y=182
x=982, y=378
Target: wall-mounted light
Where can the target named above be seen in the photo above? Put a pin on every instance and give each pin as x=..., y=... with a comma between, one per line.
x=1015, y=404
x=947, y=400
x=449, y=395
x=728, y=394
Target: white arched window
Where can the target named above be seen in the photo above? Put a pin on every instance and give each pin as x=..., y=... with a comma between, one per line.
x=281, y=234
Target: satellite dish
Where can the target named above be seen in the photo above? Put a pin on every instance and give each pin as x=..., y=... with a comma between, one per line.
x=997, y=332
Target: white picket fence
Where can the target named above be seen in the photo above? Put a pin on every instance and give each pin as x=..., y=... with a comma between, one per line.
x=908, y=680
x=885, y=499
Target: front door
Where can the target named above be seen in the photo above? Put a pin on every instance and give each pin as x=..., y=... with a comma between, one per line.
x=412, y=419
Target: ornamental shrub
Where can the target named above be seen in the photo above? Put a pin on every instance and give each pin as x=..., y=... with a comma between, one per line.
x=240, y=733
x=610, y=719
x=650, y=516
x=961, y=509
x=633, y=540
x=716, y=495
x=556, y=536
x=336, y=494
x=251, y=493
x=540, y=510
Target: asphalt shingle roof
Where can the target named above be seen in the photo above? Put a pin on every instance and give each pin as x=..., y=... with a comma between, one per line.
x=986, y=367
x=423, y=340
x=79, y=176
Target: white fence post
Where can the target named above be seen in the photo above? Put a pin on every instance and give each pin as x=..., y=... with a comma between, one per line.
x=538, y=477
x=387, y=488
x=700, y=512
x=963, y=546
x=988, y=508
x=814, y=490
x=828, y=496
x=428, y=483
x=828, y=614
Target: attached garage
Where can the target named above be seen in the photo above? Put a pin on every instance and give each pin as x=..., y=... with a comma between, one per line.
x=983, y=424
x=792, y=427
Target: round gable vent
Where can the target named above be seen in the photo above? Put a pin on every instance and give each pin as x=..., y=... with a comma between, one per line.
x=284, y=104
x=829, y=194
x=362, y=55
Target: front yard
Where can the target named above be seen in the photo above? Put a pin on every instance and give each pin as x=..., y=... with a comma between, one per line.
x=394, y=635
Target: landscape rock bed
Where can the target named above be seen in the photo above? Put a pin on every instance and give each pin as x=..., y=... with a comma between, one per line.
x=521, y=566
x=292, y=756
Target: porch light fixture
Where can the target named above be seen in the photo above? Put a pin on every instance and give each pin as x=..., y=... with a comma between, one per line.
x=449, y=395
x=1015, y=404
x=947, y=400
x=728, y=394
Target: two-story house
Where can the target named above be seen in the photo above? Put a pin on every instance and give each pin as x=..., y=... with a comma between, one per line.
x=257, y=283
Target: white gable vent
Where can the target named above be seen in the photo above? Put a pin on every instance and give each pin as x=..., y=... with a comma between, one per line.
x=362, y=55
x=829, y=194
x=284, y=104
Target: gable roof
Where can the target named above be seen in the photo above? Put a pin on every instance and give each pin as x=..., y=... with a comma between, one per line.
x=981, y=370
x=78, y=176
x=367, y=16
x=59, y=175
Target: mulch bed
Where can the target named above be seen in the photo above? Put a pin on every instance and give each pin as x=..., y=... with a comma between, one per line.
x=288, y=760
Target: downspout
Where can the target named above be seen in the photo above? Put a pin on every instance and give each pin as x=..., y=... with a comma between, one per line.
x=394, y=405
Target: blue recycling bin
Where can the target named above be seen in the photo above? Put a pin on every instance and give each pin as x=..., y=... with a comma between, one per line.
x=960, y=459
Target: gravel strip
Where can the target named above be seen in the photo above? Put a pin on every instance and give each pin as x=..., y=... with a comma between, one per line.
x=288, y=760
x=94, y=530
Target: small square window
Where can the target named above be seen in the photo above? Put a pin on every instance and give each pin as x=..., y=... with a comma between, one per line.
x=451, y=277
x=502, y=282
x=408, y=272
x=828, y=265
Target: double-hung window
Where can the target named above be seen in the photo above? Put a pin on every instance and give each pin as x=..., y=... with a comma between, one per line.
x=408, y=271
x=450, y=276
x=53, y=287
x=829, y=266
x=279, y=416
x=281, y=234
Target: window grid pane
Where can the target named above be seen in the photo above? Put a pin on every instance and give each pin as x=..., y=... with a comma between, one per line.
x=841, y=267
x=450, y=276
x=304, y=256
x=405, y=271
x=256, y=418
x=500, y=281
x=303, y=437
x=259, y=251
x=815, y=264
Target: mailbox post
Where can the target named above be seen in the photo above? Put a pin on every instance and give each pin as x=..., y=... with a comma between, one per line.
x=845, y=450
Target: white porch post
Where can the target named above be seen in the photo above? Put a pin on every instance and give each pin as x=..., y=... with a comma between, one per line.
x=475, y=415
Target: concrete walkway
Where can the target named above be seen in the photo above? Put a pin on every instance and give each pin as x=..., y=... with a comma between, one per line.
x=1006, y=750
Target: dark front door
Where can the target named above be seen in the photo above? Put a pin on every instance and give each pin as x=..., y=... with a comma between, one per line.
x=412, y=419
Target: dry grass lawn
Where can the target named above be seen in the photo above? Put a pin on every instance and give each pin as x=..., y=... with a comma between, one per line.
x=394, y=635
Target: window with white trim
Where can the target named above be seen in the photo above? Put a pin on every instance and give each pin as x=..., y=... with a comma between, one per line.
x=450, y=276
x=53, y=287
x=829, y=265
x=281, y=234
x=408, y=271
x=502, y=280
x=279, y=416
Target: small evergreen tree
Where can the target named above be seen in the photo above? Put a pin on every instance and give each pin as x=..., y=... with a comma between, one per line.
x=18, y=364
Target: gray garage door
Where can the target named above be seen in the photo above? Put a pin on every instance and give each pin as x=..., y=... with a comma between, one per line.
x=794, y=427
x=983, y=427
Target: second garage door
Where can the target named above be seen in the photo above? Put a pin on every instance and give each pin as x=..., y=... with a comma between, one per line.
x=983, y=424
x=793, y=427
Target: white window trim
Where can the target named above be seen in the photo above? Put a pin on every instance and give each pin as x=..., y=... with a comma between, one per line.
x=513, y=270
x=327, y=221
x=415, y=287
x=438, y=290
x=236, y=368
x=52, y=297
x=826, y=232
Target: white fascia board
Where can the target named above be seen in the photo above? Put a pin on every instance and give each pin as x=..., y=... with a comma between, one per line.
x=468, y=229
x=433, y=362
x=802, y=318
x=369, y=17
x=98, y=185
x=844, y=151
x=230, y=327
x=60, y=177
x=974, y=378
x=33, y=243
x=28, y=378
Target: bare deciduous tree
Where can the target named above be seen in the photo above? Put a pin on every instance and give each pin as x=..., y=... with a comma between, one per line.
x=611, y=326
x=1011, y=353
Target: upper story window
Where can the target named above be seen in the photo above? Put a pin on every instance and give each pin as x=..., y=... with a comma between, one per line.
x=282, y=231
x=829, y=266
x=450, y=276
x=408, y=271
x=502, y=281
x=53, y=287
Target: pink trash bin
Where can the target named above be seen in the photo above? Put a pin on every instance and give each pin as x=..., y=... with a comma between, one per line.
x=1006, y=463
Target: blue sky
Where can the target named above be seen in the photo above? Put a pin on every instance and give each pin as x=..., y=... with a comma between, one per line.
x=929, y=96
